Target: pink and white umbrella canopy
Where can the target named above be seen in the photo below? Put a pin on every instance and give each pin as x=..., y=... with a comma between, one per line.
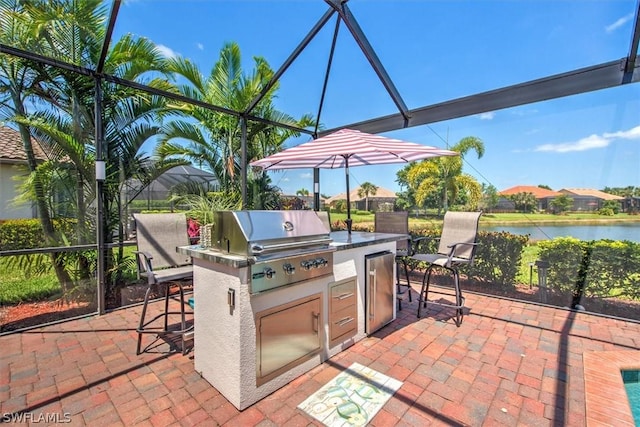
x=345, y=148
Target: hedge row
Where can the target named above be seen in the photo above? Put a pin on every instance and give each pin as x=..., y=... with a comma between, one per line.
x=497, y=259
x=600, y=268
x=593, y=269
x=18, y=234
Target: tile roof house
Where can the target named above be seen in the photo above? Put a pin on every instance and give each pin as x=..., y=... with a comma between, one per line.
x=542, y=195
x=586, y=199
x=383, y=199
x=12, y=170
x=538, y=192
x=591, y=193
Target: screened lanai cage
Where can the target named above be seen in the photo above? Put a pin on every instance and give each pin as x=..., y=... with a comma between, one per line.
x=531, y=93
x=158, y=191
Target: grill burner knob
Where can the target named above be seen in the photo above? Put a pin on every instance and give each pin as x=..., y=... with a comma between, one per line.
x=269, y=272
x=289, y=269
x=306, y=265
x=320, y=262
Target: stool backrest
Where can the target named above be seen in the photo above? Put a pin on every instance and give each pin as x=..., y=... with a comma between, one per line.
x=160, y=234
x=396, y=223
x=459, y=227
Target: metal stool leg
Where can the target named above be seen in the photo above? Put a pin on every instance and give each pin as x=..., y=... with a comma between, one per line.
x=141, y=325
x=424, y=290
x=406, y=275
x=459, y=298
x=144, y=328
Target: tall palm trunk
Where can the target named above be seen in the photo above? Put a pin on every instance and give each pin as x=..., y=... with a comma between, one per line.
x=57, y=258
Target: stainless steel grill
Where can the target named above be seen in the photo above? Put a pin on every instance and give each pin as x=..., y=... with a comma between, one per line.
x=283, y=247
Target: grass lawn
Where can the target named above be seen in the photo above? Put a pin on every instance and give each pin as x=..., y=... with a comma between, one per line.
x=18, y=285
x=499, y=218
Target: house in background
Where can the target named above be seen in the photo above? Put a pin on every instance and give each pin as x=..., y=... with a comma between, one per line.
x=542, y=195
x=13, y=171
x=383, y=200
x=586, y=199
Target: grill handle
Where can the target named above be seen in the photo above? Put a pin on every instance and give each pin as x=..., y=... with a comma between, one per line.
x=258, y=248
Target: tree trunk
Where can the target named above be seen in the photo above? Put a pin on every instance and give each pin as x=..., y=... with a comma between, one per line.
x=57, y=258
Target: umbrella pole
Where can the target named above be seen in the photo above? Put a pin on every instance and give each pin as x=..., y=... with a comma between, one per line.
x=346, y=168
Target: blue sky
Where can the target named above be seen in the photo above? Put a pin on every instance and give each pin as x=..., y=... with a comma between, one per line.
x=434, y=51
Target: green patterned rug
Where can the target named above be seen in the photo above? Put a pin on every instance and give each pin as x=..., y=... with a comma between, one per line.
x=352, y=398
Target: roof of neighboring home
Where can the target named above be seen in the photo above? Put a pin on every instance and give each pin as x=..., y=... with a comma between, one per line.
x=538, y=192
x=382, y=193
x=592, y=193
x=11, y=147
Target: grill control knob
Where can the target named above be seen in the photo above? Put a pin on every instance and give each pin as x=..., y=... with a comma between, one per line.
x=269, y=272
x=289, y=269
x=306, y=265
x=321, y=262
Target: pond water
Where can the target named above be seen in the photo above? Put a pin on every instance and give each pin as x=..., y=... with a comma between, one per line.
x=627, y=231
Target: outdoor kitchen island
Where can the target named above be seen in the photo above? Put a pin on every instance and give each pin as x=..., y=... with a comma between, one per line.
x=252, y=339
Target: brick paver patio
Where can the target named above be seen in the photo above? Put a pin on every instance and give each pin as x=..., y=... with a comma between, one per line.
x=509, y=364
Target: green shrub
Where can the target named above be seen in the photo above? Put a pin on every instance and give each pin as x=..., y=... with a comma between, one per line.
x=606, y=212
x=27, y=233
x=594, y=269
x=498, y=258
x=498, y=255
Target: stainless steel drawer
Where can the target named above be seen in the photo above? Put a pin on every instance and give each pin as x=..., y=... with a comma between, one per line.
x=343, y=311
x=342, y=323
x=343, y=295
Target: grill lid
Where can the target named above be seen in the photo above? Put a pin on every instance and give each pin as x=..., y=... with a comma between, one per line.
x=255, y=233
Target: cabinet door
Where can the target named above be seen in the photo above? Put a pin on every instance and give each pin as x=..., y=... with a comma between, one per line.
x=287, y=336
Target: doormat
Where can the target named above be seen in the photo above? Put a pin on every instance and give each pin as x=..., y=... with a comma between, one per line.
x=352, y=398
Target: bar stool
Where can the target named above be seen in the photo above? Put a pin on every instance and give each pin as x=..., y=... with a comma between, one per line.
x=158, y=236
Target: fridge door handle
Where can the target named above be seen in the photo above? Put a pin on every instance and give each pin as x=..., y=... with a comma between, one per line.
x=372, y=299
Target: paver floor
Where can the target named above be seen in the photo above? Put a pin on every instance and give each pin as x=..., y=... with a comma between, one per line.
x=509, y=364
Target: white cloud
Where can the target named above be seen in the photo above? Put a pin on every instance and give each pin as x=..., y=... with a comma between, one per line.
x=633, y=133
x=306, y=175
x=619, y=23
x=166, y=51
x=584, y=144
x=200, y=46
x=591, y=142
x=487, y=116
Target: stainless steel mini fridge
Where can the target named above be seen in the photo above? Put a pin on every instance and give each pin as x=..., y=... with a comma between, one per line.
x=379, y=298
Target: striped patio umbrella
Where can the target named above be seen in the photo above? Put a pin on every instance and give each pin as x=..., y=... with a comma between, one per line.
x=346, y=148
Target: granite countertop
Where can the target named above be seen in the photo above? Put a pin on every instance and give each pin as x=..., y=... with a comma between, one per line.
x=342, y=240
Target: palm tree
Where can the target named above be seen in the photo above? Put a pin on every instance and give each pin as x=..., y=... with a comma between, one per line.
x=65, y=123
x=302, y=192
x=367, y=189
x=212, y=138
x=443, y=176
x=19, y=79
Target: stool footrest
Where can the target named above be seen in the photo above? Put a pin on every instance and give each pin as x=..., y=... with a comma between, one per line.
x=145, y=326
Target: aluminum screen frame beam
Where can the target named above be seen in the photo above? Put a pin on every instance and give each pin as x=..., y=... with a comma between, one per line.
x=589, y=79
x=361, y=39
x=292, y=57
x=9, y=50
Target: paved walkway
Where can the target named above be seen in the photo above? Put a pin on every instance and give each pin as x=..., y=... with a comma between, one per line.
x=509, y=364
